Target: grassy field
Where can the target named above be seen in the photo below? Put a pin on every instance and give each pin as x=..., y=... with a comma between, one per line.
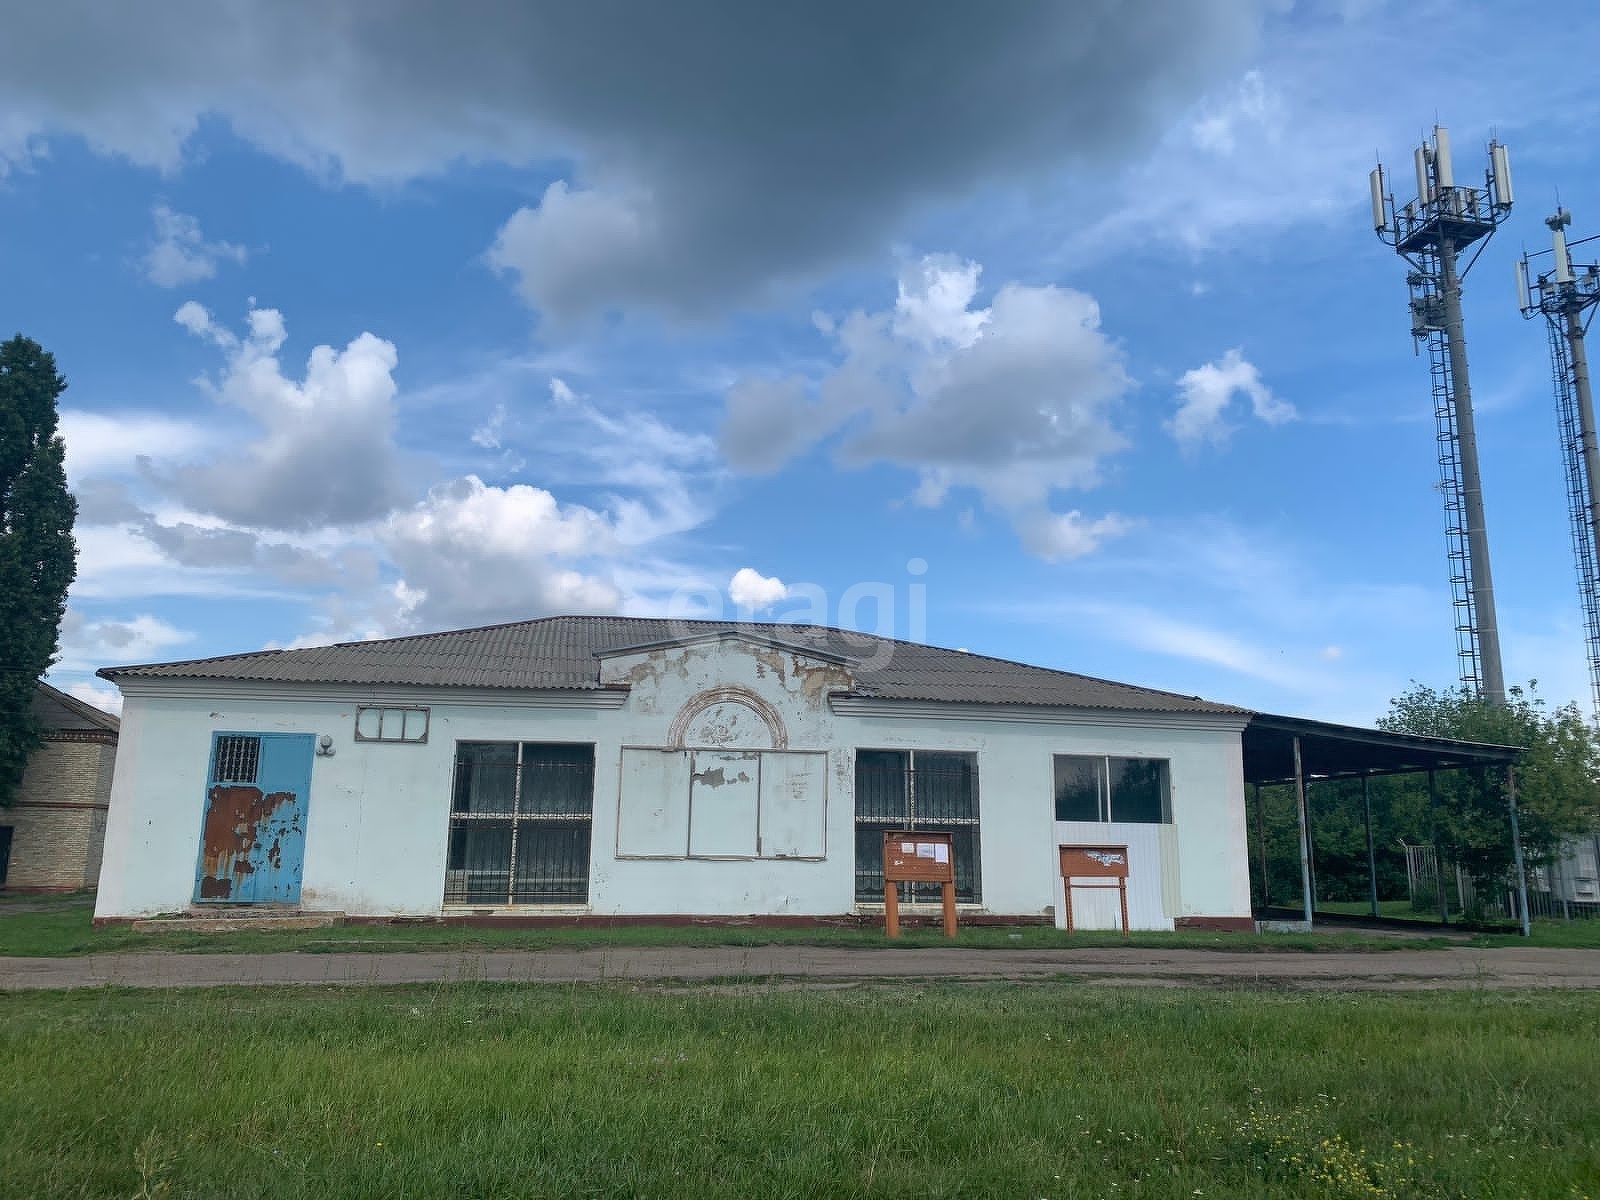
x=1039, y=1091
x=64, y=928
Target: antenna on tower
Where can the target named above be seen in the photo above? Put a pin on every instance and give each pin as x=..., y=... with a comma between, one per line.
x=1430, y=233
x=1567, y=297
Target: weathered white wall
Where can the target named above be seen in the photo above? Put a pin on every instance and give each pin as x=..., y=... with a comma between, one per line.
x=376, y=819
x=737, y=683
x=378, y=813
x=1019, y=834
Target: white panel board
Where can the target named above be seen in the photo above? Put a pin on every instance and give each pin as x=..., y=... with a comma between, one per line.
x=723, y=798
x=1098, y=908
x=653, y=808
x=794, y=805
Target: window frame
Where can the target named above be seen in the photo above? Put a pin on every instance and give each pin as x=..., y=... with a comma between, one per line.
x=964, y=827
x=762, y=757
x=227, y=749
x=1105, y=798
x=521, y=821
x=383, y=710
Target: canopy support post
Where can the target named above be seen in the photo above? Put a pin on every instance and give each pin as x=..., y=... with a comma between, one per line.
x=1438, y=851
x=1516, y=850
x=1372, y=857
x=1261, y=844
x=1305, y=832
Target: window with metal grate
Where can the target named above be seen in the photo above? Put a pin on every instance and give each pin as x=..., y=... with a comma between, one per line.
x=520, y=821
x=934, y=790
x=236, y=758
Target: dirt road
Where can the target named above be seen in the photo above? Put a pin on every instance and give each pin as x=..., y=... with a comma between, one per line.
x=798, y=965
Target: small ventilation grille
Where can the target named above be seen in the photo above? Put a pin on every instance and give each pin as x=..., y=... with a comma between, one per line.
x=237, y=759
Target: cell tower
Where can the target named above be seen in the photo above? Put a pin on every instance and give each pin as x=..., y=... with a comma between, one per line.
x=1431, y=232
x=1567, y=296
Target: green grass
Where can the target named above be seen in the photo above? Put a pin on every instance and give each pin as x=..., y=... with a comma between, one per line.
x=1390, y=910
x=65, y=929
x=1557, y=934
x=1049, y=1090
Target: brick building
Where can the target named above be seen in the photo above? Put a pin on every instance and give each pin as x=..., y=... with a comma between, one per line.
x=51, y=837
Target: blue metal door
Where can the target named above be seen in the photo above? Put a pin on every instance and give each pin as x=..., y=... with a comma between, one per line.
x=253, y=839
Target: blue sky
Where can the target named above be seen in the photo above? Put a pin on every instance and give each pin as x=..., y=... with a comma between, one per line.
x=378, y=326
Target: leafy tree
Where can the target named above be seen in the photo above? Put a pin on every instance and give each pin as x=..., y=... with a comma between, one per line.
x=1558, y=776
x=1558, y=797
x=38, y=557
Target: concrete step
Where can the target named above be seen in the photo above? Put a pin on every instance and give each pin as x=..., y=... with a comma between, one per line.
x=236, y=920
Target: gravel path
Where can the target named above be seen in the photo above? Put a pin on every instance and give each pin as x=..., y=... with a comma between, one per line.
x=1386, y=970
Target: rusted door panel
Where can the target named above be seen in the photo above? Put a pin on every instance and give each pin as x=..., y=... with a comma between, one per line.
x=252, y=841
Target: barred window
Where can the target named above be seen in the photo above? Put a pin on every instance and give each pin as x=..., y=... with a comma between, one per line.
x=375, y=724
x=935, y=790
x=235, y=758
x=520, y=818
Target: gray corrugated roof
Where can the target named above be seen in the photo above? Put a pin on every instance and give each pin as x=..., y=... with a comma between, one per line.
x=58, y=711
x=560, y=652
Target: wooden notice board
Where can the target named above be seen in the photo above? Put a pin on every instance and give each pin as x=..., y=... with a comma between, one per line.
x=1105, y=867
x=911, y=856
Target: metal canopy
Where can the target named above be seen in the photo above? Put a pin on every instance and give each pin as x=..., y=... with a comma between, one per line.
x=1330, y=751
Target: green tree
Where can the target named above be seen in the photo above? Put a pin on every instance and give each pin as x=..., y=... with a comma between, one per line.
x=38, y=557
x=1558, y=776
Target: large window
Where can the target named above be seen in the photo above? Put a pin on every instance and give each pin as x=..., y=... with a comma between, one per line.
x=1101, y=788
x=519, y=824
x=935, y=790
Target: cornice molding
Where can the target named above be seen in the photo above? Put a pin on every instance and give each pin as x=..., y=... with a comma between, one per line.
x=1031, y=714
x=355, y=693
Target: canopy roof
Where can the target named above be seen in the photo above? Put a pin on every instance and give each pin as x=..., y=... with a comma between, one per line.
x=1329, y=751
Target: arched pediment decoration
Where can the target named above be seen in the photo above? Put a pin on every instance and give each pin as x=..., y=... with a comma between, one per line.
x=737, y=712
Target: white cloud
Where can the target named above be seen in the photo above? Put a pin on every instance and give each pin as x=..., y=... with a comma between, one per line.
x=99, y=695
x=751, y=590
x=88, y=645
x=194, y=317
x=278, y=516
x=180, y=253
x=1183, y=637
x=325, y=454
x=1015, y=401
x=1249, y=105
x=110, y=443
x=488, y=434
x=934, y=305
x=1206, y=394
x=1291, y=634
x=575, y=250
x=470, y=554
x=1285, y=143
x=1057, y=537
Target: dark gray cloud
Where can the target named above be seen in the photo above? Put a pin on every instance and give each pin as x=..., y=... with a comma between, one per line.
x=105, y=502
x=717, y=147
x=208, y=547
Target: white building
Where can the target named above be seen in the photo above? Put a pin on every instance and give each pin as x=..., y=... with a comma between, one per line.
x=612, y=767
